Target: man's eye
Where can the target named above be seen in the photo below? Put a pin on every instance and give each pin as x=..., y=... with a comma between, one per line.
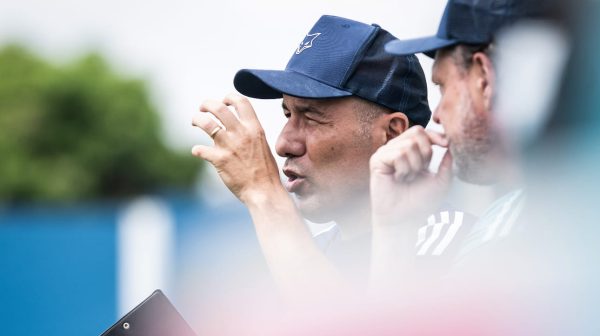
x=287, y=115
x=312, y=121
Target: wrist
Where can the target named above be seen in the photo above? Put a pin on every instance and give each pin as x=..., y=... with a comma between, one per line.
x=267, y=195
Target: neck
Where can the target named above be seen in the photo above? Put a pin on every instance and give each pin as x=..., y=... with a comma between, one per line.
x=355, y=220
x=508, y=175
x=476, y=198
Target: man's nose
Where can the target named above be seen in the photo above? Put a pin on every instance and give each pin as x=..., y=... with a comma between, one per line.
x=291, y=142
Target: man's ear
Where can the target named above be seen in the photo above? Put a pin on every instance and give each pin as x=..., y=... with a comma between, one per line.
x=396, y=124
x=486, y=77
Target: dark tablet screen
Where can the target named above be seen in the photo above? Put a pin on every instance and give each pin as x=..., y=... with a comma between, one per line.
x=155, y=316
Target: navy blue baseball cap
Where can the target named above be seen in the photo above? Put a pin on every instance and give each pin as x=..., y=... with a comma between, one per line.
x=471, y=22
x=341, y=58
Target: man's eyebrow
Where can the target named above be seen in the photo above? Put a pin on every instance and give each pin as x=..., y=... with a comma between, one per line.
x=308, y=108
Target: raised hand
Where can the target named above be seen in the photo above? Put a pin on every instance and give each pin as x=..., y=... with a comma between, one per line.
x=241, y=153
x=402, y=187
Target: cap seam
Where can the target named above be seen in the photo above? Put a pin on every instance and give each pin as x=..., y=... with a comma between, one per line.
x=404, y=80
x=360, y=52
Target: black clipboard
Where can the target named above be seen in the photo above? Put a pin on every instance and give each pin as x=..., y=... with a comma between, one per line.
x=155, y=316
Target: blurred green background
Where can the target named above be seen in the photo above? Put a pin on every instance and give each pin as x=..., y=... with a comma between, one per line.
x=80, y=131
x=80, y=141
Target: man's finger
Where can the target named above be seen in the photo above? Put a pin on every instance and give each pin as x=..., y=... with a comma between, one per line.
x=207, y=153
x=444, y=174
x=415, y=159
x=437, y=138
x=424, y=144
x=222, y=113
x=208, y=125
x=416, y=135
x=401, y=169
x=381, y=162
x=242, y=106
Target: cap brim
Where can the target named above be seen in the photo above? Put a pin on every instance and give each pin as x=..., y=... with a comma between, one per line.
x=426, y=45
x=271, y=84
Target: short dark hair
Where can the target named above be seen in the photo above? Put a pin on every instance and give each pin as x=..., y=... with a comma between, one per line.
x=463, y=53
x=369, y=111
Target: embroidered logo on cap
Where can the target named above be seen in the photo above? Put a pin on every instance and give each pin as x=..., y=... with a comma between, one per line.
x=307, y=43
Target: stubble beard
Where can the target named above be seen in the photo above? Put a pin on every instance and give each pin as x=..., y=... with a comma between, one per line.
x=475, y=150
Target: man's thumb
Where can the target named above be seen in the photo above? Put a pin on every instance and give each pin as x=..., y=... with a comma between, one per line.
x=444, y=174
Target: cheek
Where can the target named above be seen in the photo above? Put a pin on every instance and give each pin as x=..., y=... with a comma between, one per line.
x=322, y=150
x=455, y=105
x=339, y=154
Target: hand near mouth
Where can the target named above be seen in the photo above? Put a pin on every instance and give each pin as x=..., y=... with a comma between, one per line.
x=401, y=184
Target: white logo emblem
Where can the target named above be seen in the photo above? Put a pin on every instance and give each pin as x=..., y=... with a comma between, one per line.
x=307, y=43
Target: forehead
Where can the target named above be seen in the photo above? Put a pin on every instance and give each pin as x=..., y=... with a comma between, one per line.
x=444, y=62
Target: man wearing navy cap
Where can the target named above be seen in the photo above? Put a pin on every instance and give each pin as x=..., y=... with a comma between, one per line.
x=464, y=71
x=344, y=97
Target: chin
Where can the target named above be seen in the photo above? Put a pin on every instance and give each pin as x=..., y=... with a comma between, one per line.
x=315, y=210
x=475, y=163
x=316, y=215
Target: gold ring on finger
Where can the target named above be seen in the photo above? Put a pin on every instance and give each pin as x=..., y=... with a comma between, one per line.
x=215, y=130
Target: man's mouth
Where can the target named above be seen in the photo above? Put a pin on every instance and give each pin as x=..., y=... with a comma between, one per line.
x=294, y=181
